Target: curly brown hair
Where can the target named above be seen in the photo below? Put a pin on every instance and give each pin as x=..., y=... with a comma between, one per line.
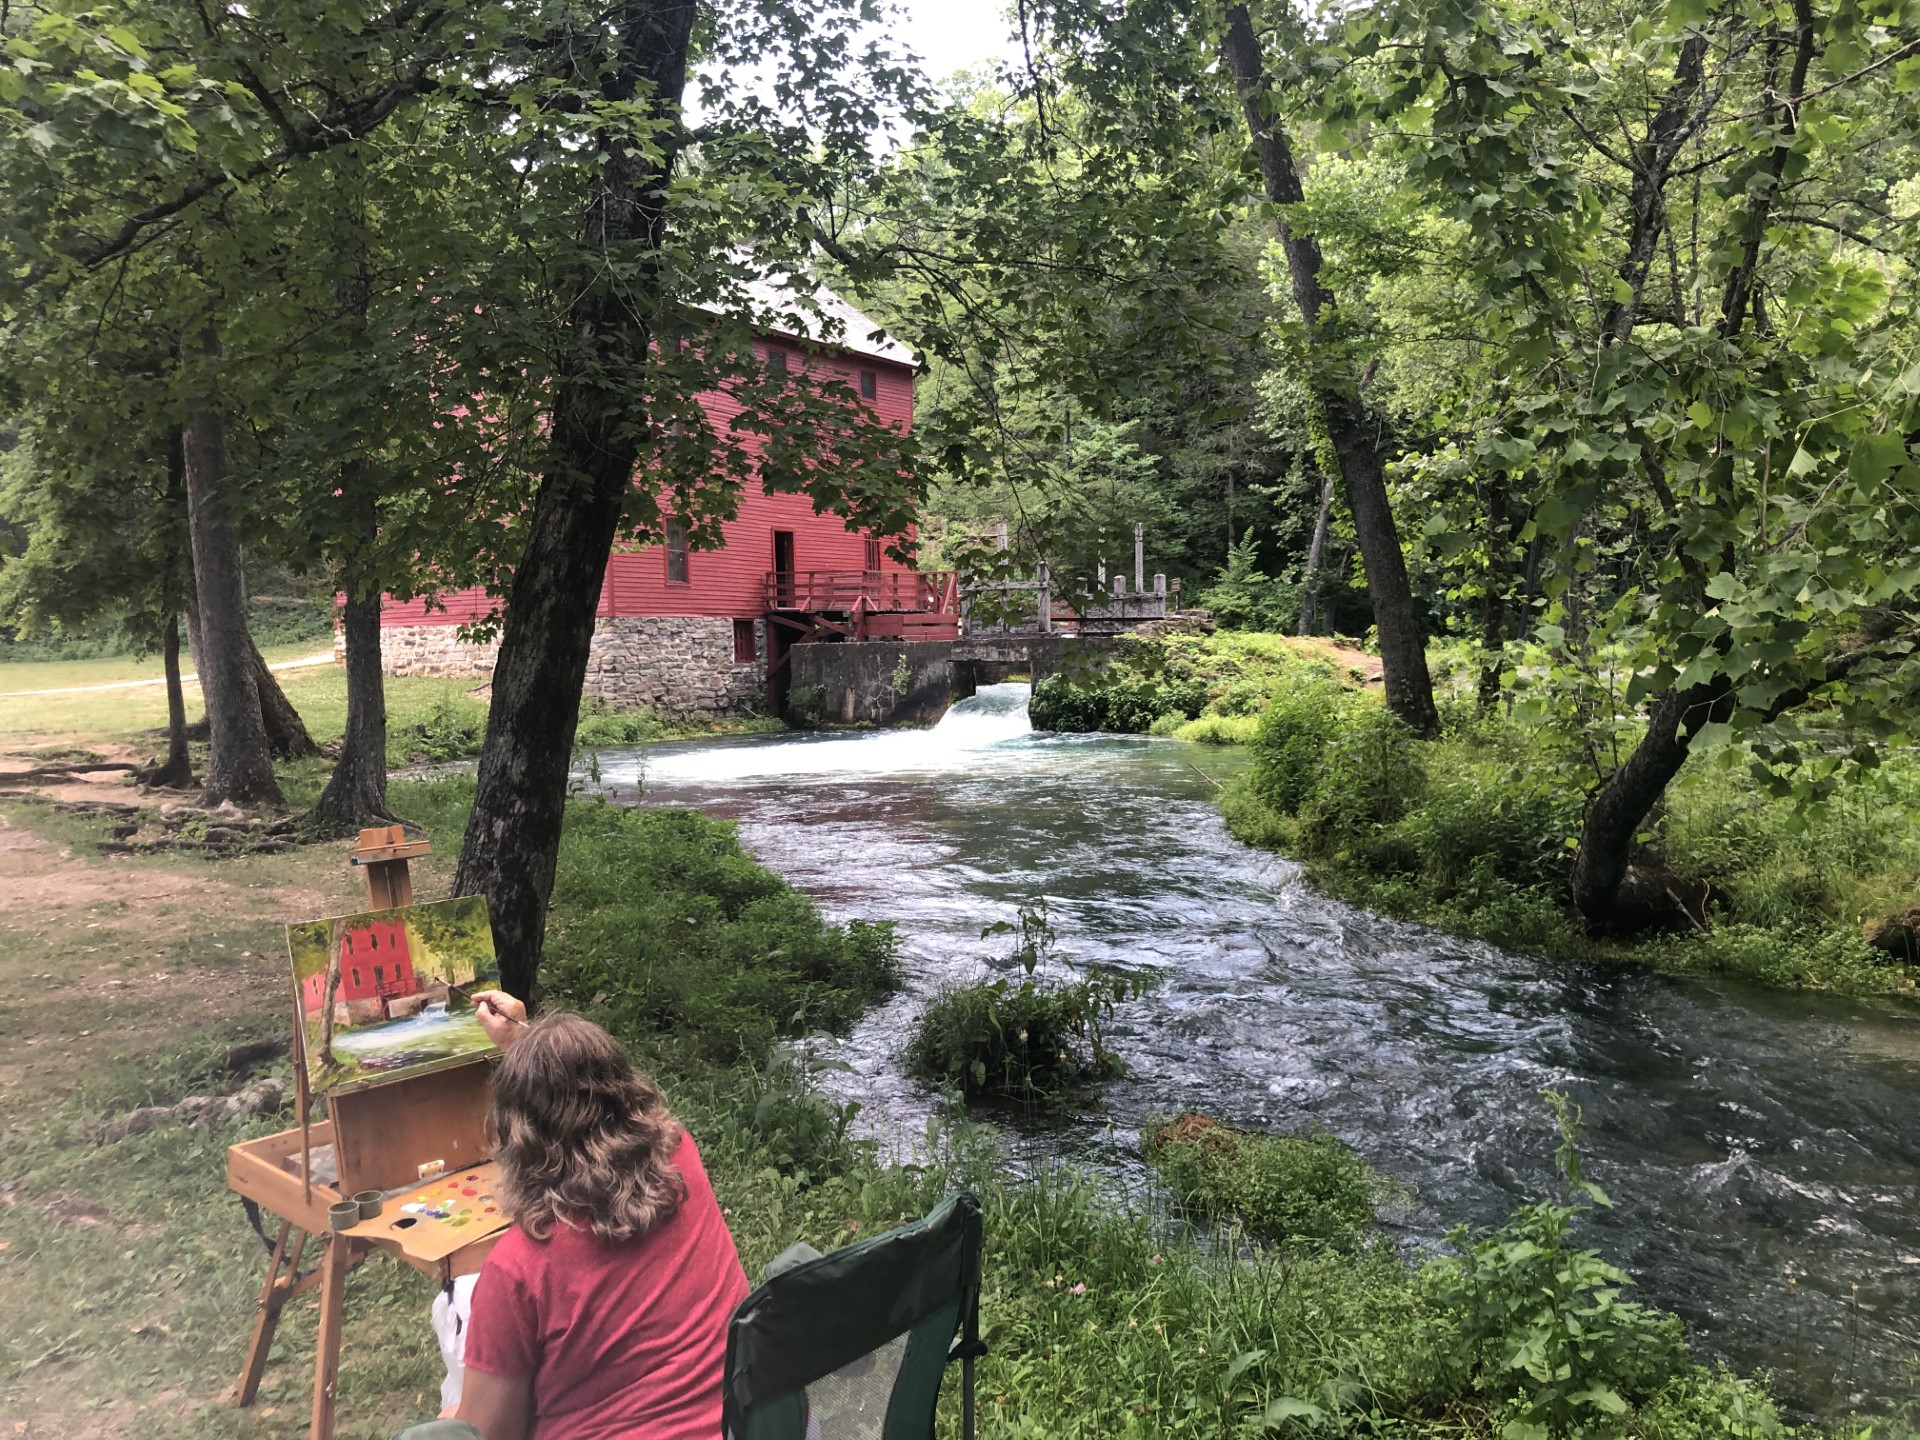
x=583, y=1137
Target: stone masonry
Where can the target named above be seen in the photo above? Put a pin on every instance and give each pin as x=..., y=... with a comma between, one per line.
x=670, y=664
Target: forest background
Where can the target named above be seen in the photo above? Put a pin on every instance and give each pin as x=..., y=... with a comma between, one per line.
x=1581, y=340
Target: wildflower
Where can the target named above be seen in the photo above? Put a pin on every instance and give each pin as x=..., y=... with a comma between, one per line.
x=1133, y=1324
x=1079, y=1289
x=1158, y=1260
x=1159, y=1329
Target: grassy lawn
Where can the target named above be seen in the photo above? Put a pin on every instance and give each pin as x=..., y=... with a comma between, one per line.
x=128, y=1276
x=119, y=714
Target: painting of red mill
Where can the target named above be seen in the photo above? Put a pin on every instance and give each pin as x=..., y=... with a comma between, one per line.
x=389, y=993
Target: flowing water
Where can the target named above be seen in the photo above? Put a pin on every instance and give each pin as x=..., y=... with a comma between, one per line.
x=1762, y=1149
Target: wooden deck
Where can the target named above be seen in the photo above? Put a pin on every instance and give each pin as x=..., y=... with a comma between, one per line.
x=865, y=604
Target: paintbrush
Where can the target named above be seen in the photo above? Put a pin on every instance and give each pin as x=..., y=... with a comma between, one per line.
x=460, y=993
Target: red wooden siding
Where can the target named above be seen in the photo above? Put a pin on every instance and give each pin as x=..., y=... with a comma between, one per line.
x=731, y=581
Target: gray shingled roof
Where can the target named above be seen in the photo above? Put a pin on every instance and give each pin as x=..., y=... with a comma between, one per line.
x=808, y=310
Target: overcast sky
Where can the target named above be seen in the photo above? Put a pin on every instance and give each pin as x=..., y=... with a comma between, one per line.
x=954, y=35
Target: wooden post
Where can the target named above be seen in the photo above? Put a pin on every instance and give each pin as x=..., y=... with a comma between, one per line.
x=385, y=850
x=326, y=1358
x=266, y=1317
x=1044, y=575
x=1139, y=557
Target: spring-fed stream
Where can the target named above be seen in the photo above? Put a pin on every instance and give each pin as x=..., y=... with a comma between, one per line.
x=1762, y=1148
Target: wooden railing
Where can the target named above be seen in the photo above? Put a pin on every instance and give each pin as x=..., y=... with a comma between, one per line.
x=851, y=591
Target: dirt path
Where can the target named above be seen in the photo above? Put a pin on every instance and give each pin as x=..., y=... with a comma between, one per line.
x=109, y=959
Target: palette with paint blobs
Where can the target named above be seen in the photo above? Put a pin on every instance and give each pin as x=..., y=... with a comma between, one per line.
x=439, y=1216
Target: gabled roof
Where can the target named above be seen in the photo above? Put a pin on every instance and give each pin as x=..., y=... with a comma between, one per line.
x=809, y=311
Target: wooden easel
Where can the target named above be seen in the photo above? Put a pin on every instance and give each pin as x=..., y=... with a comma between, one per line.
x=381, y=1136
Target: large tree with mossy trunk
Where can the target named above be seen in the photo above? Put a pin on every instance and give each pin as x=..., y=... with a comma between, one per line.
x=632, y=297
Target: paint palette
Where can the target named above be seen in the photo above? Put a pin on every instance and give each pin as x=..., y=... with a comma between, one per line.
x=433, y=1219
x=454, y=1200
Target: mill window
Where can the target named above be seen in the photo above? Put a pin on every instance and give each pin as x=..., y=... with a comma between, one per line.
x=676, y=552
x=745, y=643
x=869, y=384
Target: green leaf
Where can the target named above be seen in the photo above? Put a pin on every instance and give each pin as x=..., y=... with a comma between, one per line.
x=1875, y=457
x=1288, y=1407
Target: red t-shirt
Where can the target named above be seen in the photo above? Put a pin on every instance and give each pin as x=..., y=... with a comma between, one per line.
x=624, y=1341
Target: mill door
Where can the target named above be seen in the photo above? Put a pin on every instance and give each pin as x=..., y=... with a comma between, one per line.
x=784, y=581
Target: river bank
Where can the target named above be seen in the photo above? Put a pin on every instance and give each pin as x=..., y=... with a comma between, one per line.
x=1760, y=1144
x=1474, y=832
x=129, y=1273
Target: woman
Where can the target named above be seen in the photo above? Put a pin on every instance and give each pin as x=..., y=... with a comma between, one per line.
x=602, y=1314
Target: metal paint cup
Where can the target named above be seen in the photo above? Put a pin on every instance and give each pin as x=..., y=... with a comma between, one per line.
x=369, y=1203
x=345, y=1215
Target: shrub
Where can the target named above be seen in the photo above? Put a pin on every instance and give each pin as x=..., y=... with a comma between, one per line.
x=1370, y=773
x=1020, y=1040
x=806, y=706
x=1290, y=746
x=1242, y=598
x=1486, y=821
x=1025, y=1040
x=1219, y=730
x=1285, y=1187
x=603, y=727
x=1120, y=703
x=713, y=952
x=1540, y=1326
x=452, y=730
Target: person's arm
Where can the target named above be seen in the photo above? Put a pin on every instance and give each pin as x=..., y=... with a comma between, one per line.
x=502, y=1016
x=500, y=1407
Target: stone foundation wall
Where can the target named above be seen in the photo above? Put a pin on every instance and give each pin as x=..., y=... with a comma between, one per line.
x=876, y=682
x=673, y=664
x=429, y=650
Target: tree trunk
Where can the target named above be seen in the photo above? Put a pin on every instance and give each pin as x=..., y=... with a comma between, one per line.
x=1631, y=792
x=1493, y=612
x=239, y=764
x=176, y=773
x=513, y=834
x=1396, y=616
x=286, y=731
x=1311, y=616
x=356, y=792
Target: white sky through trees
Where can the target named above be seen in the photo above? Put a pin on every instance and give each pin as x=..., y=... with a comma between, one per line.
x=951, y=35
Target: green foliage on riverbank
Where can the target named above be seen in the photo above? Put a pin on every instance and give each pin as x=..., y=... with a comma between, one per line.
x=1201, y=687
x=1474, y=832
x=1283, y=1187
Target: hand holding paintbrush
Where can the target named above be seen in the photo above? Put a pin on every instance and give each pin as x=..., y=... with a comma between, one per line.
x=499, y=1014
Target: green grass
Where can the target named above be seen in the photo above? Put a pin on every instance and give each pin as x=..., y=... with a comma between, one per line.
x=128, y=1276
x=1309, y=1186
x=1474, y=832
x=116, y=714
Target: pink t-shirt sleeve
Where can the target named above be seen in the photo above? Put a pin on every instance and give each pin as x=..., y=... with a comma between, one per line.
x=501, y=1338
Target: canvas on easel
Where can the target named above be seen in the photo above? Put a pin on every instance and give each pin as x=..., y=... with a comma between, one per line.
x=385, y=1029
x=388, y=994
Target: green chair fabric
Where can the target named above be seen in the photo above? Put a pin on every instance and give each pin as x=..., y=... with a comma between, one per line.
x=853, y=1345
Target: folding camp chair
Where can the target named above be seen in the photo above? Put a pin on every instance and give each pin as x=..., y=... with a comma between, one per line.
x=853, y=1345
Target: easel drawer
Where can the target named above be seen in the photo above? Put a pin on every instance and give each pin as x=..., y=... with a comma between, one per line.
x=259, y=1170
